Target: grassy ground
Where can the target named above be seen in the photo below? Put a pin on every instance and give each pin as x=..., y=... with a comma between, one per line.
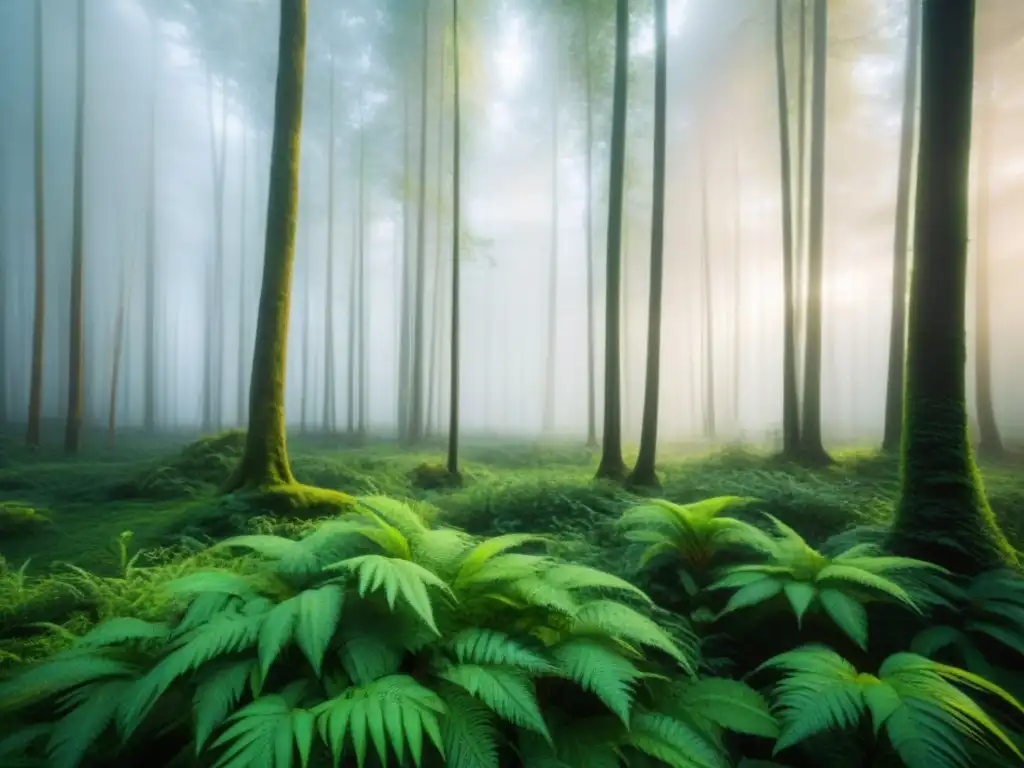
x=164, y=492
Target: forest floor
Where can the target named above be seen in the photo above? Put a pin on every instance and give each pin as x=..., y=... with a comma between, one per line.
x=165, y=493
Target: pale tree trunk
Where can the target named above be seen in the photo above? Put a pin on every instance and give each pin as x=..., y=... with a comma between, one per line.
x=265, y=460
x=150, y=276
x=710, y=429
x=242, y=278
x=360, y=287
x=548, y=421
x=811, y=448
x=990, y=443
x=453, y=407
x=416, y=394
x=115, y=373
x=589, y=225
x=790, y=399
x=436, y=323
x=330, y=416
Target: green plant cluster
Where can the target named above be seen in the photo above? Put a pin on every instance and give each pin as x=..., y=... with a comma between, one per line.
x=376, y=638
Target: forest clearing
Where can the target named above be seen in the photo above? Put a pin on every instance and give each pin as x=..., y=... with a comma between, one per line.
x=510, y=384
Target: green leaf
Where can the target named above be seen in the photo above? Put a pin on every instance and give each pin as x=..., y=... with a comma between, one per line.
x=848, y=614
x=507, y=692
x=600, y=671
x=730, y=704
x=800, y=595
x=217, y=693
x=470, y=738
x=753, y=594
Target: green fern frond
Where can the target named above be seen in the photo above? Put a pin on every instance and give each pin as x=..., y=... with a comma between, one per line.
x=579, y=578
x=225, y=633
x=268, y=732
x=608, y=618
x=211, y=582
x=468, y=730
x=367, y=654
x=508, y=693
x=310, y=617
x=729, y=704
x=396, y=577
x=392, y=712
x=849, y=615
x=218, y=691
x=440, y=550
x=754, y=593
x=851, y=574
x=396, y=513
x=600, y=671
x=538, y=592
x=673, y=742
x=930, y=641
x=14, y=746
x=499, y=569
x=123, y=630
x=90, y=712
x=487, y=646
x=488, y=549
x=61, y=673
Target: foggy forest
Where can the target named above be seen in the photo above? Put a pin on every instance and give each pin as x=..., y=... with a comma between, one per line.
x=467, y=382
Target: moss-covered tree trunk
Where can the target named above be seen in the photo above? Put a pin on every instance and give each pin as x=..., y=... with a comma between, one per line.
x=76, y=326
x=990, y=443
x=612, y=465
x=265, y=459
x=942, y=514
x=35, y=392
x=904, y=189
x=644, y=471
x=453, y=405
x=812, y=449
x=790, y=400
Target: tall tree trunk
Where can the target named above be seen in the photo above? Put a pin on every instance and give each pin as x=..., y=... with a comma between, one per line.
x=942, y=514
x=737, y=295
x=990, y=443
x=76, y=357
x=362, y=417
x=404, y=315
x=213, y=369
x=330, y=417
x=416, y=395
x=35, y=397
x=612, y=465
x=800, y=252
x=589, y=208
x=352, y=391
x=115, y=373
x=548, y=419
x=265, y=460
x=904, y=190
x=432, y=418
x=811, y=448
x=453, y=406
x=307, y=291
x=710, y=426
x=243, y=239
x=150, y=364
x=790, y=400
x=644, y=471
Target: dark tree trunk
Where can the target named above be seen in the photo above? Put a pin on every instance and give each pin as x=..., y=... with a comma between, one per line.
x=589, y=206
x=898, y=326
x=362, y=416
x=990, y=443
x=612, y=465
x=453, y=407
x=265, y=460
x=352, y=373
x=416, y=395
x=644, y=471
x=35, y=396
x=942, y=514
x=76, y=357
x=812, y=449
x=432, y=418
x=790, y=400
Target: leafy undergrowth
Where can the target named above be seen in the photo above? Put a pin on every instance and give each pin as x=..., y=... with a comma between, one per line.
x=376, y=638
